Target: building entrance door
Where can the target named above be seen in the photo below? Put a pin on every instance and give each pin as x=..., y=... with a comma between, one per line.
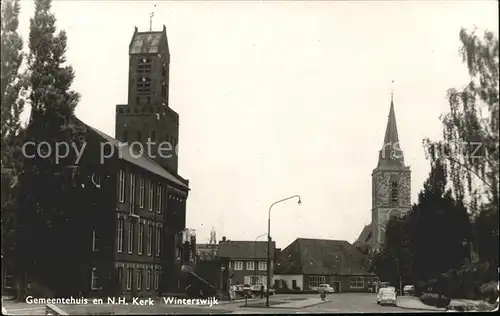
x=336, y=286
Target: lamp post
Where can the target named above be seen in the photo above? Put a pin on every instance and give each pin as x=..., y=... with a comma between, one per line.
x=269, y=243
x=255, y=256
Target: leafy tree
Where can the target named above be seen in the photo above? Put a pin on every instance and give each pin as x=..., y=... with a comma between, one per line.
x=471, y=138
x=12, y=106
x=439, y=228
x=428, y=241
x=47, y=185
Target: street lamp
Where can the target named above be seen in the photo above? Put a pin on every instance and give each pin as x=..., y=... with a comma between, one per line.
x=269, y=243
x=255, y=256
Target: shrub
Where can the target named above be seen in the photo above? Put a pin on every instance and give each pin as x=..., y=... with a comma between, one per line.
x=489, y=292
x=434, y=299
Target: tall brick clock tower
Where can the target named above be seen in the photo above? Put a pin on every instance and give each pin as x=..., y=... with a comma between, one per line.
x=391, y=182
x=147, y=116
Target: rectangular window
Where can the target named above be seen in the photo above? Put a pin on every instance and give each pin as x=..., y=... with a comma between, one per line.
x=139, y=279
x=250, y=265
x=150, y=240
x=130, y=274
x=238, y=265
x=121, y=190
x=120, y=274
x=316, y=280
x=157, y=279
x=95, y=241
x=95, y=280
x=394, y=191
x=119, y=241
x=158, y=240
x=153, y=136
x=125, y=136
x=158, y=198
x=130, y=245
x=8, y=279
x=150, y=196
x=254, y=280
x=356, y=282
x=148, y=280
x=262, y=266
x=132, y=193
x=140, y=242
x=141, y=192
x=144, y=85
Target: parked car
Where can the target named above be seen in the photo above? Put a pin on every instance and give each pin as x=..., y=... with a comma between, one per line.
x=325, y=287
x=388, y=298
x=257, y=288
x=243, y=290
x=383, y=290
x=408, y=290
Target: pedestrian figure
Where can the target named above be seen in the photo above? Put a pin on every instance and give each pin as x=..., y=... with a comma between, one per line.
x=232, y=293
x=261, y=291
x=322, y=294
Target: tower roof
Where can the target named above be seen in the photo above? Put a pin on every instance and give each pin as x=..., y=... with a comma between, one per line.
x=391, y=154
x=148, y=42
x=391, y=131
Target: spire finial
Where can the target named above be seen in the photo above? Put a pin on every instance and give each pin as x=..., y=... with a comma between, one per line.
x=392, y=91
x=151, y=15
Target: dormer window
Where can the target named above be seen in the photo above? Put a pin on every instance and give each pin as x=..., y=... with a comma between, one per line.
x=394, y=191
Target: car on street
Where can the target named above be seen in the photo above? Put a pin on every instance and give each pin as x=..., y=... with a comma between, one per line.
x=383, y=290
x=408, y=290
x=388, y=298
x=324, y=287
x=256, y=288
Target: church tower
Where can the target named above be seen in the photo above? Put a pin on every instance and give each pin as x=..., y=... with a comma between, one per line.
x=391, y=182
x=148, y=118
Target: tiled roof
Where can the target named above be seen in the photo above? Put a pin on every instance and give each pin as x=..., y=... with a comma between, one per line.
x=245, y=249
x=136, y=158
x=146, y=43
x=366, y=235
x=321, y=257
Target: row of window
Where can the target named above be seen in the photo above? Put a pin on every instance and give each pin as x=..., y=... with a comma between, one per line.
x=355, y=282
x=140, y=238
x=152, y=138
x=150, y=283
x=132, y=190
x=250, y=265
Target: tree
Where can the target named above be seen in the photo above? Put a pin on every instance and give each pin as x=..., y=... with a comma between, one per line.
x=428, y=241
x=470, y=128
x=11, y=83
x=471, y=138
x=12, y=106
x=47, y=185
x=439, y=228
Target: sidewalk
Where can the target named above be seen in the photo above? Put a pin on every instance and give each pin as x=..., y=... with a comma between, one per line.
x=411, y=302
x=302, y=303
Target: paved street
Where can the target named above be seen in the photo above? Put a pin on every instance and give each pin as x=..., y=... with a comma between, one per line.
x=337, y=303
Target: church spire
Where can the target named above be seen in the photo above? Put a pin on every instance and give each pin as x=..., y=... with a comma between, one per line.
x=391, y=152
x=391, y=131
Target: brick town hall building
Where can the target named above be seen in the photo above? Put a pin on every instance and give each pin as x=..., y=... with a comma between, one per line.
x=391, y=187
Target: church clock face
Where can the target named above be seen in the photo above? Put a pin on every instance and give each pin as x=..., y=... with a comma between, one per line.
x=396, y=154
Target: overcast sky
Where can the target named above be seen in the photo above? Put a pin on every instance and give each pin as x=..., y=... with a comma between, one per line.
x=280, y=98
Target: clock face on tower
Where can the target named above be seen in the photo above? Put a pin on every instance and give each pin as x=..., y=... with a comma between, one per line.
x=396, y=154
